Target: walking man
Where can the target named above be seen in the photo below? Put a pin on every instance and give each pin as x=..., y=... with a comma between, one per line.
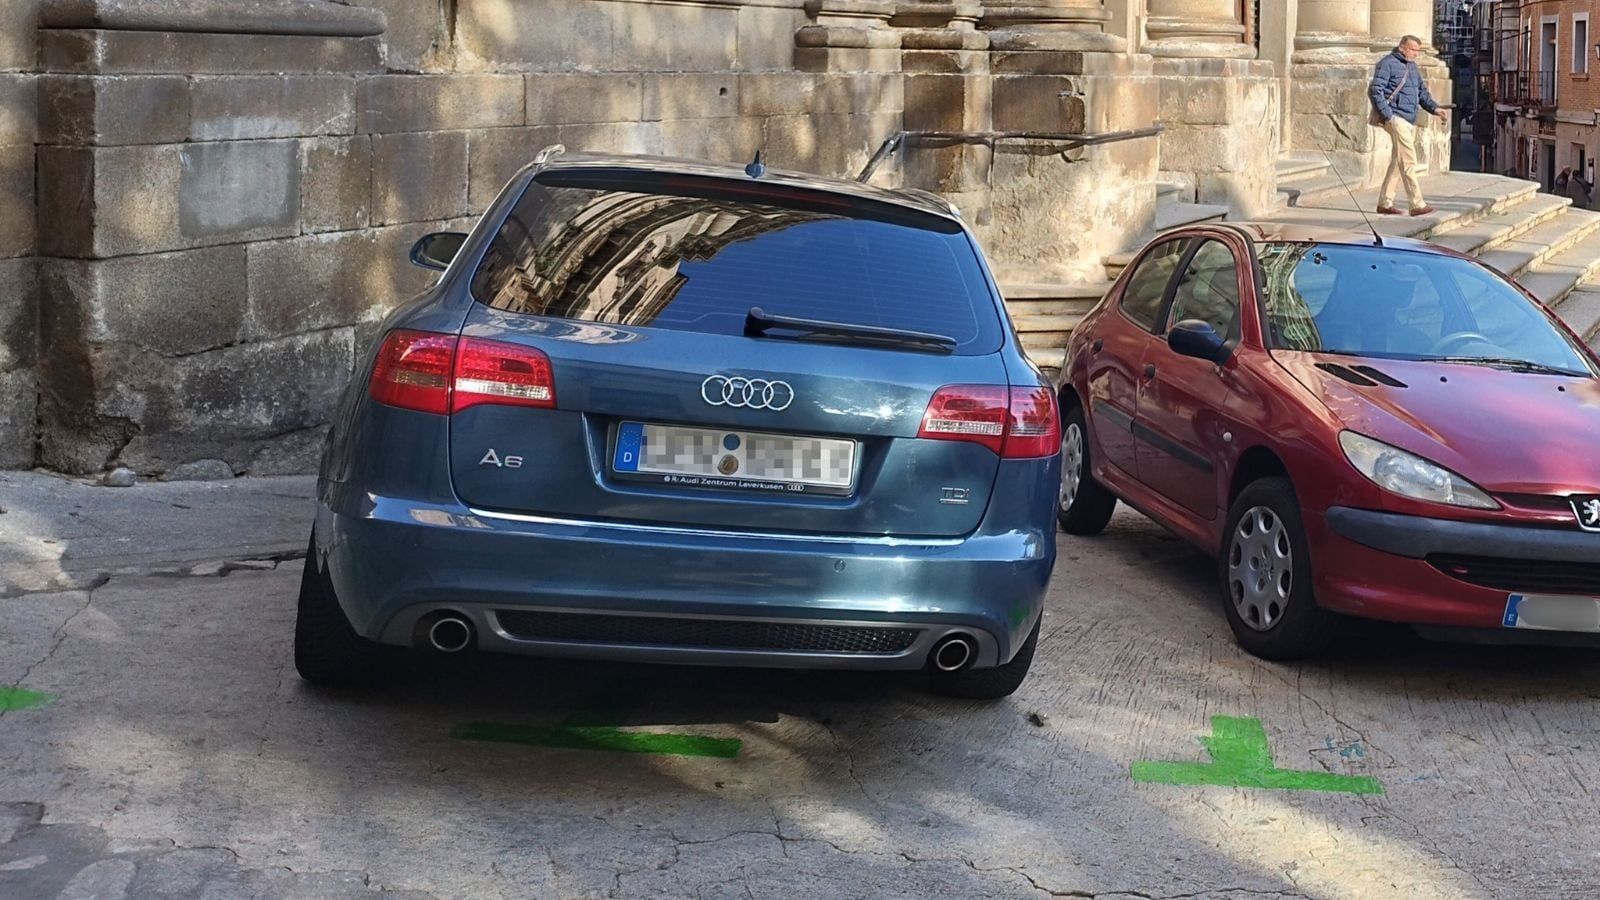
x=1397, y=93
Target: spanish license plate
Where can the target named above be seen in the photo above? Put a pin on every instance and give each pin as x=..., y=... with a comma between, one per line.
x=1553, y=613
x=734, y=460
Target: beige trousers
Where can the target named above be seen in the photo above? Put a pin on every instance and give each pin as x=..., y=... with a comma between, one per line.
x=1402, y=164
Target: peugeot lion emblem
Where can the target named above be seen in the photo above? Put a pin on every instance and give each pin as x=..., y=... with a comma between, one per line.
x=746, y=393
x=1588, y=512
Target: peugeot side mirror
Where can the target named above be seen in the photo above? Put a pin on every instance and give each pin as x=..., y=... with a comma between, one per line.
x=1192, y=337
x=434, y=251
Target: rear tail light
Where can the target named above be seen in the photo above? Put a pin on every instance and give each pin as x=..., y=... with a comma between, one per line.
x=1016, y=423
x=438, y=373
x=1034, y=427
x=413, y=371
x=967, y=412
x=496, y=372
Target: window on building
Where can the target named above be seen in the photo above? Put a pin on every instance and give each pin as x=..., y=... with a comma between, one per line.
x=1580, y=44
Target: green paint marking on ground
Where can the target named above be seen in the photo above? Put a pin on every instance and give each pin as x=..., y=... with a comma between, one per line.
x=585, y=737
x=16, y=698
x=1241, y=757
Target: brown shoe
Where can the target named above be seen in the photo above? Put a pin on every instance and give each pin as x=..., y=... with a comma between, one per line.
x=1423, y=211
x=1388, y=211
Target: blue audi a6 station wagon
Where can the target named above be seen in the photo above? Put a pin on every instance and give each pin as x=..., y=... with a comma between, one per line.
x=664, y=411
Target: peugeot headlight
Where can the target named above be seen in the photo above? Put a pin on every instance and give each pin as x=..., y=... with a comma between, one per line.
x=1409, y=475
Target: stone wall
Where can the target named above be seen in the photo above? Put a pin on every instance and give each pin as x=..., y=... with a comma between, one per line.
x=224, y=218
x=18, y=266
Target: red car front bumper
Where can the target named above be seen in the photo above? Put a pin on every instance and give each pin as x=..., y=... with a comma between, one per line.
x=1429, y=571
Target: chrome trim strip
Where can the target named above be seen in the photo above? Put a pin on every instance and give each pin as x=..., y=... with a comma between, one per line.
x=878, y=541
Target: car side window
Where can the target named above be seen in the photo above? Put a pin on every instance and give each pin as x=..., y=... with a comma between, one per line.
x=1147, y=287
x=1209, y=289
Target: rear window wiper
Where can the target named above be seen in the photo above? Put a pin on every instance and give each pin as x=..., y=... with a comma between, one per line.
x=1506, y=362
x=758, y=323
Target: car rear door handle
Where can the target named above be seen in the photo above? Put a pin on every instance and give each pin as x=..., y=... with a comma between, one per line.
x=1149, y=370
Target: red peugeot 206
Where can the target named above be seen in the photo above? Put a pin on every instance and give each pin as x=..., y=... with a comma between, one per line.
x=1380, y=429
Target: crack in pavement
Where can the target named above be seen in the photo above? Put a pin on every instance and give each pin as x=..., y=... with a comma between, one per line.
x=1299, y=676
x=34, y=828
x=66, y=582
x=60, y=638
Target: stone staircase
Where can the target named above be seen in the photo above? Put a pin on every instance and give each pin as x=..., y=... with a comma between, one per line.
x=1540, y=240
x=1045, y=314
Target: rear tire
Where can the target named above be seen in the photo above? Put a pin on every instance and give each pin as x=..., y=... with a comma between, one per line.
x=989, y=684
x=1265, y=574
x=1084, y=506
x=327, y=650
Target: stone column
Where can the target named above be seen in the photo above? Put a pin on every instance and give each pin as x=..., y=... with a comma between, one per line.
x=1333, y=31
x=945, y=66
x=1049, y=25
x=1219, y=105
x=848, y=36
x=1391, y=19
x=1197, y=28
x=1328, y=85
x=1041, y=191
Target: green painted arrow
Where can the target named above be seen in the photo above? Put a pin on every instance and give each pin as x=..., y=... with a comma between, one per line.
x=12, y=697
x=1241, y=757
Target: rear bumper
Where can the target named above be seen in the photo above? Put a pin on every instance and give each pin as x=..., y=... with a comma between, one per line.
x=392, y=561
x=1375, y=564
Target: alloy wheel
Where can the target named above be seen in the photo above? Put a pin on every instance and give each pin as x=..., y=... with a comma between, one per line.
x=1260, y=568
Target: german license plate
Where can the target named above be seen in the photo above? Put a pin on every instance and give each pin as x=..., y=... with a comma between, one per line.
x=734, y=460
x=1553, y=613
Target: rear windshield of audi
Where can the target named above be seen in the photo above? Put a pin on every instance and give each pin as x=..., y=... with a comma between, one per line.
x=696, y=254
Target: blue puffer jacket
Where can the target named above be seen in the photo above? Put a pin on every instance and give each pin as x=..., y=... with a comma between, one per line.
x=1391, y=69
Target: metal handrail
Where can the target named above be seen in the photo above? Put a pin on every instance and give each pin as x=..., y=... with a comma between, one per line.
x=1073, y=141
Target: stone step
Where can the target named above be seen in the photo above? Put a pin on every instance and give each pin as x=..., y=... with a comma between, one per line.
x=1116, y=262
x=1489, y=231
x=1293, y=168
x=1174, y=192
x=1460, y=199
x=1048, y=359
x=1044, y=340
x=1556, y=276
x=1581, y=311
x=1177, y=214
x=1064, y=307
x=1058, y=322
x=1049, y=290
x=1542, y=242
x=1320, y=190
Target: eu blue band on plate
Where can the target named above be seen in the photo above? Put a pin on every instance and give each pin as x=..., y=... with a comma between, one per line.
x=630, y=446
x=1511, y=610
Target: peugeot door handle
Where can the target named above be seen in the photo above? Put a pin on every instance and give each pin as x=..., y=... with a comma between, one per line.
x=1150, y=371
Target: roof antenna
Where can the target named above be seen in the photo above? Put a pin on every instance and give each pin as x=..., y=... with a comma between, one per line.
x=757, y=168
x=1377, y=238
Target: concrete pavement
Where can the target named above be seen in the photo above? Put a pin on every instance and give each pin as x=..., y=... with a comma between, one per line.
x=58, y=531
x=166, y=748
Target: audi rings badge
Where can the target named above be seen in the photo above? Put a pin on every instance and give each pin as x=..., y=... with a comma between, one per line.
x=746, y=393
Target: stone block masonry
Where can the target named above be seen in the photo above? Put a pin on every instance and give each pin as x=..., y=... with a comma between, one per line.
x=205, y=207
x=225, y=207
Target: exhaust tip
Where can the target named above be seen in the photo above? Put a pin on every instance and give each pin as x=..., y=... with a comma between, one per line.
x=954, y=653
x=450, y=634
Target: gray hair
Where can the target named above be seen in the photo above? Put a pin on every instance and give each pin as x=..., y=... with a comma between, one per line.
x=1409, y=39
